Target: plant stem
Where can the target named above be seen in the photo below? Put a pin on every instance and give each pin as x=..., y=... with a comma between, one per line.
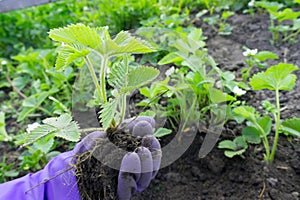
x=14, y=87
x=291, y=35
x=123, y=97
x=93, y=74
x=102, y=77
x=123, y=107
x=187, y=116
x=277, y=121
x=45, y=110
x=246, y=74
x=265, y=139
x=90, y=130
x=273, y=31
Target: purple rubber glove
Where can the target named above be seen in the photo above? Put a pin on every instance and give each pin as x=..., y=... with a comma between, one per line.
x=57, y=180
x=140, y=167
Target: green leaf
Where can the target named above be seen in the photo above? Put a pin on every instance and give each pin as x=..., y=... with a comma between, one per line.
x=227, y=144
x=11, y=173
x=107, y=112
x=237, y=147
x=3, y=133
x=286, y=14
x=247, y=112
x=226, y=14
x=217, y=96
x=59, y=122
x=265, y=55
x=195, y=39
x=269, y=107
x=44, y=144
x=21, y=81
x=162, y=132
x=277, y=77
x=251, y=135
x=78, y=34
x=191, y=42
x=231, y=154
x=69, y=53
x=296, y=25
x=69, y=132
x=145, y=91
x=269, y=6
x=61, y=126
x=148, y=113
x=118, y=74
x=228, y=76
x=125, y=43
x=203, y=84
x=195, y=62
x=38, y=133
x=32, y=103
x=265, y=123
x=240, y=142
x=59, y=104
x=140, y=76
x=170, y=58
x=122, y=37
x=292, y=126
x=65, y=127
x=156, y=88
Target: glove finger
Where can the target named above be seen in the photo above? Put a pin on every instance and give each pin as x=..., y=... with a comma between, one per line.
x=89, y=141
x=146, y=168
x=128, y=176
x=153, y=145
x=142, y=128
x=128, y=124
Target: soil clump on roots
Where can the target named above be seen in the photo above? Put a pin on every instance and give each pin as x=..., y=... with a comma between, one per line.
x=96, y=178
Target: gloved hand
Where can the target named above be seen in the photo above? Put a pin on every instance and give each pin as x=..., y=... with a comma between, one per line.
x=58, y=181
x=140, y=167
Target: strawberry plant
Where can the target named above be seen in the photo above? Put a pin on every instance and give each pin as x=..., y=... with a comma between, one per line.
x=219, y=23
x=276, y=78
x=255, y=58
x=277, y=16
x=197, y=76
x=97, y=41
x=83, y=42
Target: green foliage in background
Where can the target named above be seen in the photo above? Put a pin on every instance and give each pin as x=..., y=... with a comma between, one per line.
x=280, y=13
x=28, y=27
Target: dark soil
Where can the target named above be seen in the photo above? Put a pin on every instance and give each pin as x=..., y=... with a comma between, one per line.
x=216, y=177
x=95, y=179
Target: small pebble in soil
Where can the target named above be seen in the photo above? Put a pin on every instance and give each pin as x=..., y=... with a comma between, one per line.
x=195, y=171
x=266, y=169
x=272, y=181
x=173, y=176
x=295, y=194
x=216, y=165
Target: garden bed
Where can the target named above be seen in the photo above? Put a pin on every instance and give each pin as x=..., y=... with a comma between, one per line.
x=215, y=176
